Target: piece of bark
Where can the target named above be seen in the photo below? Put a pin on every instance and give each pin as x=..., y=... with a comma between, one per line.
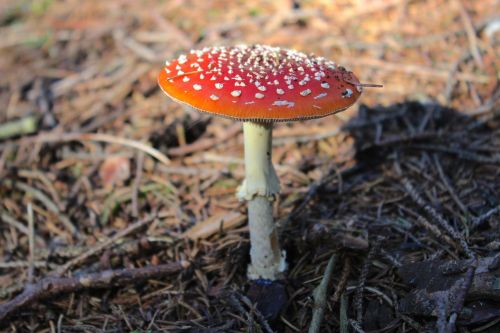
x=435, y=281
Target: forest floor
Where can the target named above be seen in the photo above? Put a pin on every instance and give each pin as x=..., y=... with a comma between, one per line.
x=101, y=173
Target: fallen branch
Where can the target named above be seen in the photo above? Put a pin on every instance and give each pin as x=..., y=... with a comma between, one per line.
x=55, y=286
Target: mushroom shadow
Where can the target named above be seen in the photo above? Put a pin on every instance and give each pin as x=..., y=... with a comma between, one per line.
x=450, y=161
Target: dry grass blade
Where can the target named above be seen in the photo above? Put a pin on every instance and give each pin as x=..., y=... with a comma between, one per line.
x=98, y=137
x=320, y=295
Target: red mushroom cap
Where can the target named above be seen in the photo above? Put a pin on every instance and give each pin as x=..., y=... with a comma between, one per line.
x=259, y=83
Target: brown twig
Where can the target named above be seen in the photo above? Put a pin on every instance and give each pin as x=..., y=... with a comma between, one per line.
x=102, y=245
x=344, y=276
x=55, y=286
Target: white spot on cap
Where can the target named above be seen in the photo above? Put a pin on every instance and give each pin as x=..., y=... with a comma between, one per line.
x=214, y=97
x=236, y=93
x=202, y=76
x=182, y=59
x=347, y=93
x=219, y=85
x=196, y=86
x=213, y=78
x=320, y=96
x=259, y=95
x=185, y=79
x=180, y=72
x=325, y=85
x=167, y=71
x=305, y=92
x=280, y=91
x=290, y=86
x=251, y=102
x=284, y=103
x=261, y=88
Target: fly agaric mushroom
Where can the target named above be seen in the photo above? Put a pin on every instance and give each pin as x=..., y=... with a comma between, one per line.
x=260, y=85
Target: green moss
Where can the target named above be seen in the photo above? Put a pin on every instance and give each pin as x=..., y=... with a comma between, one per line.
x=40, y=7
x=253, y=12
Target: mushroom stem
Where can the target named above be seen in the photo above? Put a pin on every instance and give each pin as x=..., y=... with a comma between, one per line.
x=259, y=188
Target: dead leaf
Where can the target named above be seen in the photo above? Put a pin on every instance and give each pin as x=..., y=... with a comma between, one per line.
x=212, y=225
x=114, y=170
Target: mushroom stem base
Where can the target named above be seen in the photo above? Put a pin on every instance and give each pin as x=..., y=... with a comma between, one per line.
x=267, y=260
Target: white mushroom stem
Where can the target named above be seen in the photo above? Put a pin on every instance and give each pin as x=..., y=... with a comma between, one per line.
x=259, y=188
